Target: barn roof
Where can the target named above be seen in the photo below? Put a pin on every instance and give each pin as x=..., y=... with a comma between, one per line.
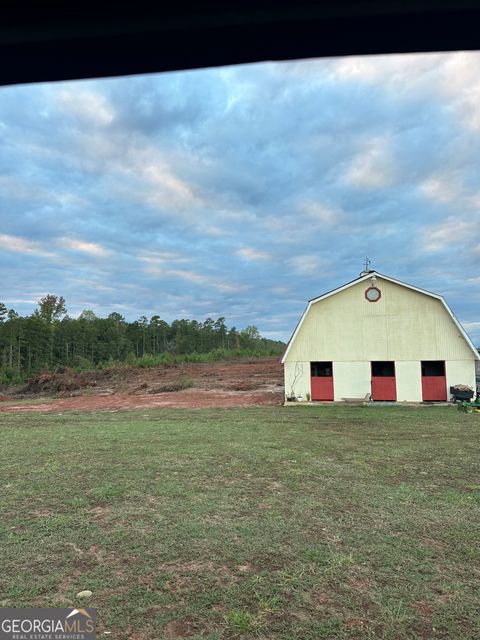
x=367, y=276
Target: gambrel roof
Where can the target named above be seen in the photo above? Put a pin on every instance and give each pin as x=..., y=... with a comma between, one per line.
x=365, y=277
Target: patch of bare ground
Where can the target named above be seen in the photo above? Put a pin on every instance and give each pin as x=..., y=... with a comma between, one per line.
x=45, y=513
x=219, y=607
x=353, y=623
x=182, y=573
x=423, y=626
x=118, y=632
x=362, y=585
x=425, y=610
x=435, y=544
x=255, y=382
x=64, y=586
x=180, y=629
x=443, y=598
x=245, y=568
x=100, y=516
x=319, y=597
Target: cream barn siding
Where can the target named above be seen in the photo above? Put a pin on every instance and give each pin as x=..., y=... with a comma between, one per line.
x=351, y=379
x=297, y=379
x=409, y=381
x=405, y=325
x=460, y=372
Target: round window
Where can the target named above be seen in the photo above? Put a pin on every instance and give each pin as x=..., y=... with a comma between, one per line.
x=372, y=294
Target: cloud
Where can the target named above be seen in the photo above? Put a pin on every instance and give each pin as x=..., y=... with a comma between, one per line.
x=23, y=245
x=249, y=253
x=306, y=264
x=440, y=188
x=14, y=188
x=371, y=168
x=194, y=277
x=461, y=84
x=91, y=248
x=165, y=188
x=243, y=191
x=451, y=231
x=450, y=78
x=469, y=326
x=163, y=257
x=405, y=73
x=87, y=105
x=322, y=213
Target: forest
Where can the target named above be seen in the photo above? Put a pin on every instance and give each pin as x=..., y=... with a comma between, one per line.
x=49, y=338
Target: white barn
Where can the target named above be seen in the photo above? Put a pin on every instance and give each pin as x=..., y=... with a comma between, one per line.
x=379, y=336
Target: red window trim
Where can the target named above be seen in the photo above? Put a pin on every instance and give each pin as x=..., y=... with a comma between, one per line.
x=376, y=289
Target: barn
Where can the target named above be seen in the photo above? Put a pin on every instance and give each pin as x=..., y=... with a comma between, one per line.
x=380, y=338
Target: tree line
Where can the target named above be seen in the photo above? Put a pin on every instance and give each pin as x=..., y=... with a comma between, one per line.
x=50, y=338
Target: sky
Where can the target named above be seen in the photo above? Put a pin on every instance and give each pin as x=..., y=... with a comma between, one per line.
x=243, y=191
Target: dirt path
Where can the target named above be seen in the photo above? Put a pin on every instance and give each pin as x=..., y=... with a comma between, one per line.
x=223, y=384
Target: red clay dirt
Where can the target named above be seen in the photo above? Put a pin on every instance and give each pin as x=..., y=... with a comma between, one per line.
x=221, y=384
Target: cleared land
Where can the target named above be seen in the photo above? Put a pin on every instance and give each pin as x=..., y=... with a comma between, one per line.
x=299, y=523
x=257, y=381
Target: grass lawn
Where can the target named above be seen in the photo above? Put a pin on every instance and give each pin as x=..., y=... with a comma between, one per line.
x=294, y=523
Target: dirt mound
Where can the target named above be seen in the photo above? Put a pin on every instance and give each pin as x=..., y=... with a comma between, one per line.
x=219, y=384
x=62, y=380
x=171, y=388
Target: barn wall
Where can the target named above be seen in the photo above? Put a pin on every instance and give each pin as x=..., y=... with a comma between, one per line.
x=351, y=380
x=460, y=372
x=404, y=325
x=297, y=378
x=409, y=381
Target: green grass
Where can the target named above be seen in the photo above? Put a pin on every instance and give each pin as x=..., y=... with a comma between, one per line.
x=295, y=523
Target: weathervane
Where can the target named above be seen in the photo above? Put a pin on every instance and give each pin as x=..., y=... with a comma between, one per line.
x=366, y=266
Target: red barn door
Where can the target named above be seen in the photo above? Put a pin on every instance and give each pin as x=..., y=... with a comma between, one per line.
x=321, y=380
x=384, y=385
x=434, y=381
